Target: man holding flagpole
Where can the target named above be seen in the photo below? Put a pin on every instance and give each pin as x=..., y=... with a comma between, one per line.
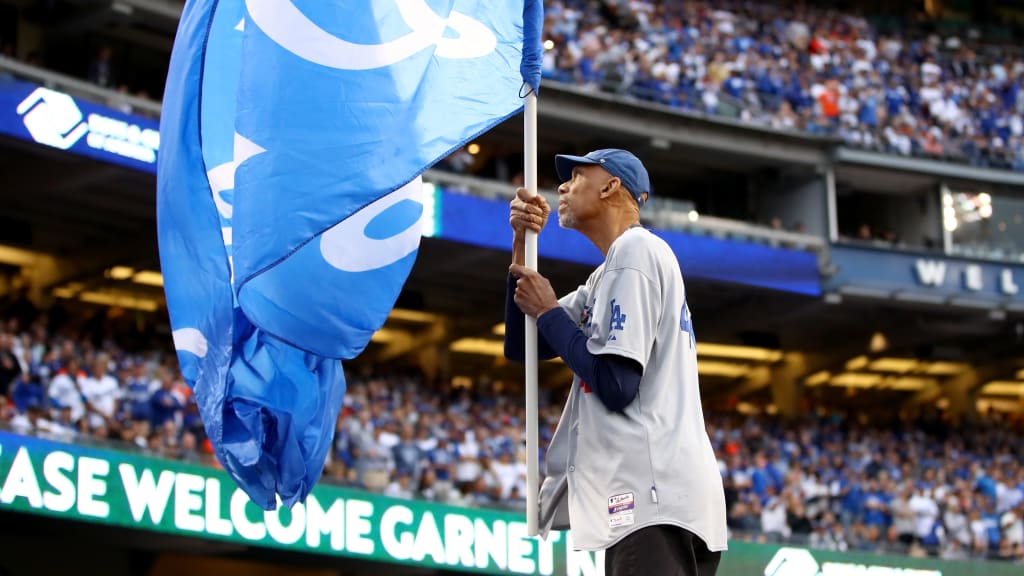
x=630, y=467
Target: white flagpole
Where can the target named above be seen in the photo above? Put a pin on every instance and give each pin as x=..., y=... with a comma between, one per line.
x=532, y=445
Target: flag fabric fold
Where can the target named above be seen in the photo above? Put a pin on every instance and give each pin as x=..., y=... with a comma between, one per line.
x=531, y=65
x=293, y=137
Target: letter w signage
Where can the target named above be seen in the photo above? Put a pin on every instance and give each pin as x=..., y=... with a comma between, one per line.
x=929, y=278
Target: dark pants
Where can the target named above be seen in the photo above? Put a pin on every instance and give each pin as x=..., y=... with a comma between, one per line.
x=661, y=551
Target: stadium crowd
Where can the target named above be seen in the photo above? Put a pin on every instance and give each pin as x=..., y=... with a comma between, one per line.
x=825, y=481
x=789, y=67
x=803, y=68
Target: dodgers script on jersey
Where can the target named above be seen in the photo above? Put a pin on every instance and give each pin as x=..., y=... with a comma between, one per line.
x=652, y=463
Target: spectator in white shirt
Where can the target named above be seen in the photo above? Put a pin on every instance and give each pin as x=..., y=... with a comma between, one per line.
x=511, y=474
x=930, y=71
x=773, y=517
x=1012, y=525
x=903, y=518
x=1007, y=496
x=401, y=487
x=65, y=389
x=979, y=531
x=925, y=512
x=32, y=420
x=388, y=436
x=102, y=394
x=956, y=523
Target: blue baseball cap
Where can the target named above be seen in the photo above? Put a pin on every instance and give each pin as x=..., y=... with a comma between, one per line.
x=619, y=163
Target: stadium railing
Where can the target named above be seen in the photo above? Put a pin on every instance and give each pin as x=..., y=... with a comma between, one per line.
x=666, y=213
x=78, y=88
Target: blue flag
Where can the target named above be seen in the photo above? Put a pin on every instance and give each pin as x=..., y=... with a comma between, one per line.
x=293, y=137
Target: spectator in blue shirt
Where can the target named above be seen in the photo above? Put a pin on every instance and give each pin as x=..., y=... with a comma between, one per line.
x=137, y=393
x=191, y=421
x=28, y=390
x=852, y=497
x=164, y=403
x=876, y=505
x=868, y=113
x=991, y=519
x=408, y=456
x=735, y=84
x=442, y=459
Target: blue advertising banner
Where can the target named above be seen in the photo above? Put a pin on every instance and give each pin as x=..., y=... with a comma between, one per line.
x=929, y=278
x=51, y=118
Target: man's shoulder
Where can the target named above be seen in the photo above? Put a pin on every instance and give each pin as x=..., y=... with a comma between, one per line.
x=642, y=239
x=642, y=249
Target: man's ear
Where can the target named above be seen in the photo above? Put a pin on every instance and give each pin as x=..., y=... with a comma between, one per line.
x=610, y=186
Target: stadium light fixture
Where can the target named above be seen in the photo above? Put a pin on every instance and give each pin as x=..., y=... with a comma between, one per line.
x=149, y=278
x=724, y=369
x=878, y=342
x=909, y=383
x=818, y=378
x=119, y=300
x=1003, y=388
x=895, y=365
x=405, y=315
x=71, y=288
x=18, y=256
x=64, y=292
x=119, y=272
x=483, y=346
x=858, y=363
x=856, y=380
x=748, y=409
x=384, y=335
x=738, y=352
x=946, y=368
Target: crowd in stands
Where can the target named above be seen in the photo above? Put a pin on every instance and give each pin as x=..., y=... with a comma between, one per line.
x=824, y=481
x=788, y=67
x=916, y=487
x=803, y=68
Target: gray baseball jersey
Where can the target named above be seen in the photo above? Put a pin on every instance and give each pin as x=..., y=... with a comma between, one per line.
x=652, y=463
